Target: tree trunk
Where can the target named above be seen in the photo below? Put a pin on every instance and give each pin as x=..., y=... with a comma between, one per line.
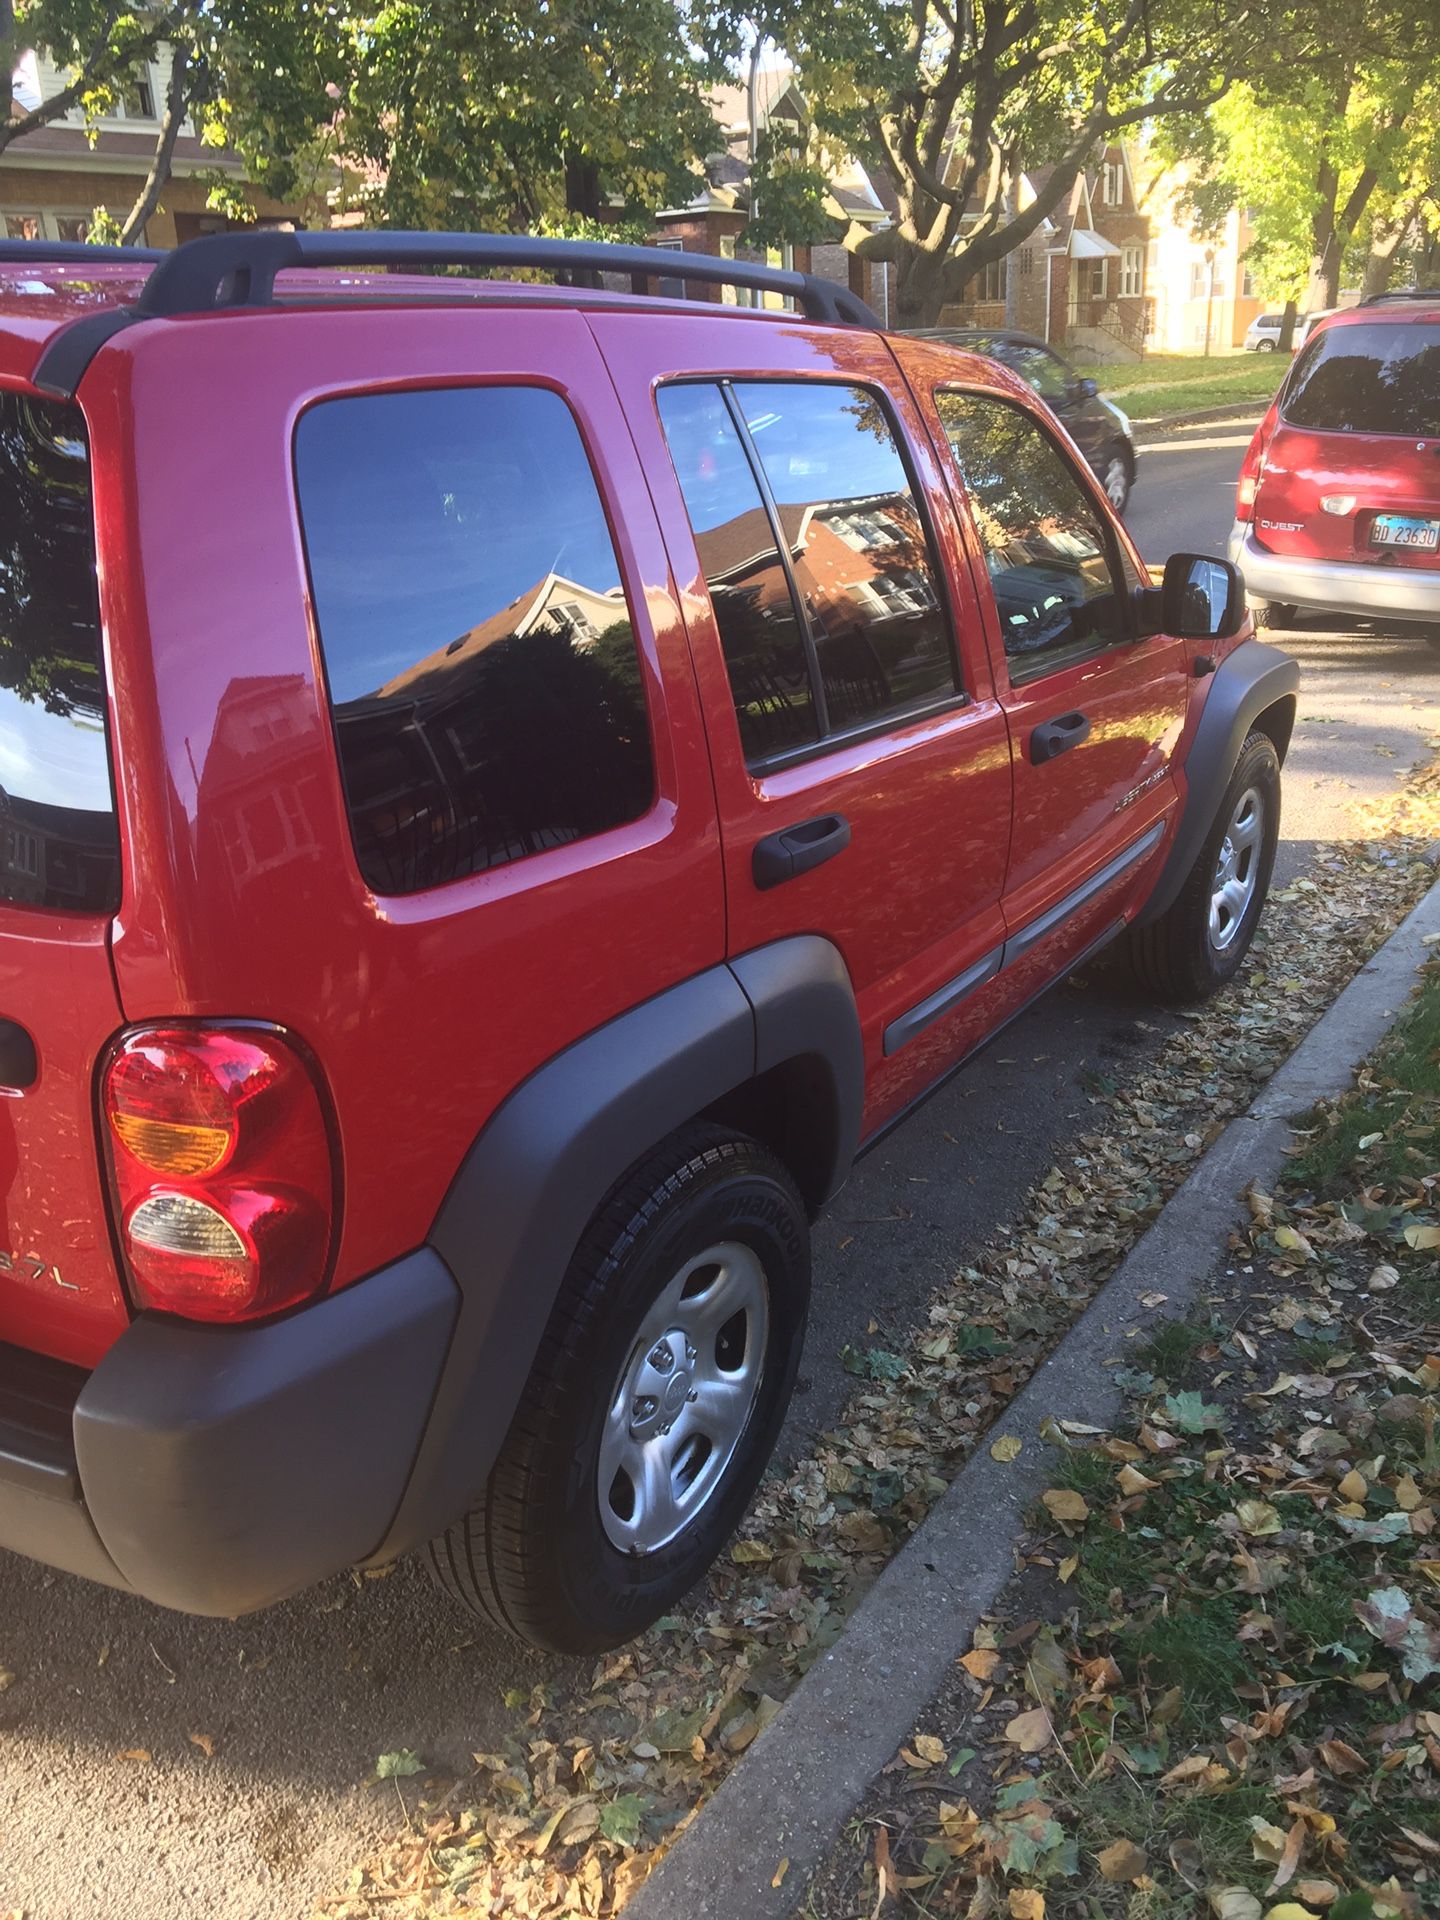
x=582, y=187
x=1287, y=327
x=919, y=286
x=177, y=104
x=1387, y=237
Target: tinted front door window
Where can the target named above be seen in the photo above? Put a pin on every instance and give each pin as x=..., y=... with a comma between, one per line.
x=1046, y=547
x=857, y=546
x=483, y=672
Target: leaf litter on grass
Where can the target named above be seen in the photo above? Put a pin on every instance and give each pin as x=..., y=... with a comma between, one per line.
x=1239, y=1685
x=625, y=1764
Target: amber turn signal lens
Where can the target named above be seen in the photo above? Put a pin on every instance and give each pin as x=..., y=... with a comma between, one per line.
x=168, y=1147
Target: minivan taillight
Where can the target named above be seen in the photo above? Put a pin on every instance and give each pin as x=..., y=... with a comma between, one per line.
x=1253, y=465
x=221, y=1170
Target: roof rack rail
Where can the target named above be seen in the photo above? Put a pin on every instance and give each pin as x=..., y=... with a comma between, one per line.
x=79, y=251
x=1402, y=293
x=239, y=269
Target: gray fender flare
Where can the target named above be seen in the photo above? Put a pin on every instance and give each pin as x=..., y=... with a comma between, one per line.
x=562, y=1140
x=1252, y=681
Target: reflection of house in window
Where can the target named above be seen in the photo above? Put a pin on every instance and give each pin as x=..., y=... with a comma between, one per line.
x=572, y=619
x=22, y=852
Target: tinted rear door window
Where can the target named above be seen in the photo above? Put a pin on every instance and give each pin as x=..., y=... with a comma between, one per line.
x=59, y=840
x=483, y=671
x=749, y=587
x=1377, y=378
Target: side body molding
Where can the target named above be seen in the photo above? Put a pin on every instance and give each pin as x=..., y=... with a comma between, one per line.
x=1252, y=680
x=561, y=1141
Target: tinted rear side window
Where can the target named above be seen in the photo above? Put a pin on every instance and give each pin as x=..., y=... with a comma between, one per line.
x=1378, y=378
x=483, y=671
x=59, y=840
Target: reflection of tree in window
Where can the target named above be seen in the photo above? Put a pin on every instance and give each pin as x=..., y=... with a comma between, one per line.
x=1376, y=378
x=1045, y=548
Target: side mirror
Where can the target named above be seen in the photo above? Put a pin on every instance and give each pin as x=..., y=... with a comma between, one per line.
x=1085, y=389
x=1200, y=599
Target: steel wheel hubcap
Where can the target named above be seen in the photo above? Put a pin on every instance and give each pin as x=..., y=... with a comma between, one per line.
x=1237, y=870
x=1115, y=483
x=683, y=1397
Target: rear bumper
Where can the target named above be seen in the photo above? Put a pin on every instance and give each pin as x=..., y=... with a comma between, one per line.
x=1341, y=586
x=219, y=1469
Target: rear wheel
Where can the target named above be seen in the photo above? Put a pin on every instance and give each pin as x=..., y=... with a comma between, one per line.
x=1198, y=943
x=653, y=1404
x=1275, y=614
x=1266, y=346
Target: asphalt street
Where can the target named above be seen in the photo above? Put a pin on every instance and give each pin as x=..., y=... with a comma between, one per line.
x=110, y=1802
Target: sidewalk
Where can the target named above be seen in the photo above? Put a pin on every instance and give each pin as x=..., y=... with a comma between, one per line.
x=752, y=1851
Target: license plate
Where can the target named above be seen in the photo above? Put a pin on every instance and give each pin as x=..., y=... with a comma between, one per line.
x=1399, y=530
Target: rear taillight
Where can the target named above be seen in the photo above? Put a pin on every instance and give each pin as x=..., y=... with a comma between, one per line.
x=221, y=1170
x=1253, y=465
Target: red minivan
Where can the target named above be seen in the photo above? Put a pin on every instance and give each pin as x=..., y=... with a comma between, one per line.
x=505, y=790
x=1338, y=504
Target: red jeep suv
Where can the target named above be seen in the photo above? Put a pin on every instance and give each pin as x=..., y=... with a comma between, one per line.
x=506, y=790
x=1338, y=505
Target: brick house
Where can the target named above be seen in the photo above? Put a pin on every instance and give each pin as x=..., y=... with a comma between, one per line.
x=1082, y=279
x=714, y=219
x=52, y=180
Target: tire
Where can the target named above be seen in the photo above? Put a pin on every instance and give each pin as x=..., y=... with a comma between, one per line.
x=1277, y=615
x=543, y=1551
x=1116, y=477
x=1432, y=639
x=1184, y=956
x=1266, y=346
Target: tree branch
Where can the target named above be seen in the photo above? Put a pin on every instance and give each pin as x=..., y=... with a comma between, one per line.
x=177, y=103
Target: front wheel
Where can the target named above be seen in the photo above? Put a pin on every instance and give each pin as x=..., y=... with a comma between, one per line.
x=1266, y=346
x=1198, y=943
x=1115, y=478
x=653, y=1404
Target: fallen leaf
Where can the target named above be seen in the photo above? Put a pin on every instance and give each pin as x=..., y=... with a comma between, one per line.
x=205, y=1742
x=1026, y=1903
x=1131, y=1480
x=1383, y=1278
x=1065, y=1505
x=141, y=1754
x=751, y=1553
x=1354, y=1486
x=781, y=1871
x=1258, y=1517
x=981, y=1662
x=1387, y=1613
x=1233, y=1903
x=1006, y=1448
x=1422, y=1237
x=930, y=1750
x=1030, y=1731
x=1122, y=1860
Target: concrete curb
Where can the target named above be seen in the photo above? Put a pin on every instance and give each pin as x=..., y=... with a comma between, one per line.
x=789, y=1796
x=1249, y=410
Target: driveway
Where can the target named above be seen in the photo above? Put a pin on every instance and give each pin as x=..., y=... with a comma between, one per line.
x=110, y=1802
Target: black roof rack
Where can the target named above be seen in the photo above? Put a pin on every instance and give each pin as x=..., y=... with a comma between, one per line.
x=1403, y=293
x=80, y=252
x=237, y=270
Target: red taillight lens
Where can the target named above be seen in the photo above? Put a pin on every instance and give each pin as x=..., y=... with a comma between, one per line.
x=1253, y=466
x=221, y=1170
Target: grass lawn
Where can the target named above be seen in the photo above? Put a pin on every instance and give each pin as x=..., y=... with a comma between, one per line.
x=1168, y=383
x=1212, y=1687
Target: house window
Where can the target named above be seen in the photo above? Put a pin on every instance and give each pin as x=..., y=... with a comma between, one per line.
x=992, y=280
x=46, y=225
x=1027, y=262
x=671, y=289
x=136, y=97
x=1197, y=279
x=24, y=226
x=1132, y=272
x=1247, y=285
x=1113, y=183
x=1099, y=279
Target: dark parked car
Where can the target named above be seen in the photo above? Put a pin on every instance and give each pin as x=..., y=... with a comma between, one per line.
x=508, y=789
x=1097, y=426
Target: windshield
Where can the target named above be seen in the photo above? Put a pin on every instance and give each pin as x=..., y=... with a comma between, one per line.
x=1379, y=378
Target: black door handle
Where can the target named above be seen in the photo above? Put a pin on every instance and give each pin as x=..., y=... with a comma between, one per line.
x=1056, y=735
x=780, y=856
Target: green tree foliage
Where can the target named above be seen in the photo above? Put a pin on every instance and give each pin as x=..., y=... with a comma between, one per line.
x=514, y=115
x=1335, y=150
x=953, y=101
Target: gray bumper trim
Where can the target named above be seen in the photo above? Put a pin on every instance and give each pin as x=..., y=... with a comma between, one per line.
x=1344, y=586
